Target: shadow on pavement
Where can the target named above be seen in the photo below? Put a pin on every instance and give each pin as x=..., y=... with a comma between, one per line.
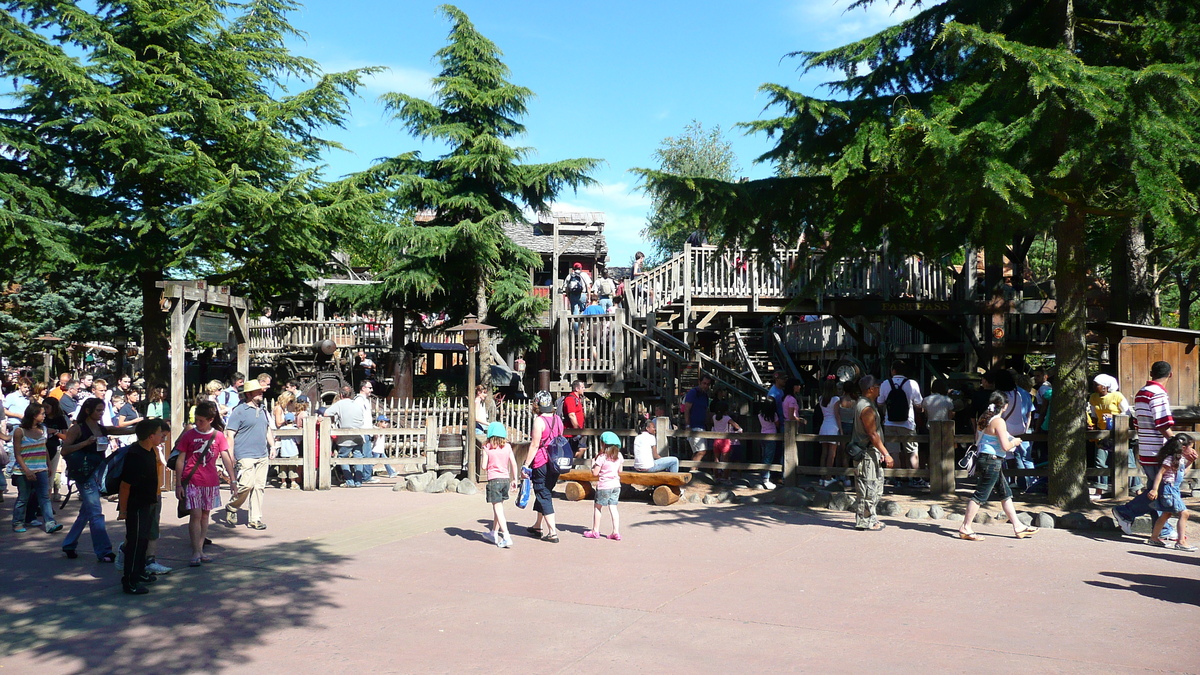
x=194, y=620
x=1180, y=590
x=1162, y=554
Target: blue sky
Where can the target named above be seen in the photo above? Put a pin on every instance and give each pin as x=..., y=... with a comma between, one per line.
x=611, y=79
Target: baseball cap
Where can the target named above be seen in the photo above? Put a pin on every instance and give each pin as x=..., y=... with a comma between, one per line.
x=577, y=266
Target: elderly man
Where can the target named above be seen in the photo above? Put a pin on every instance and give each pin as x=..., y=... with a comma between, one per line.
x=868, y=436
x=252, y=444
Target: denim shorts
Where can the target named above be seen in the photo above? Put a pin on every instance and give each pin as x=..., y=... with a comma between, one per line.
x=608, y=497
x=497, y=490
x=990, y=473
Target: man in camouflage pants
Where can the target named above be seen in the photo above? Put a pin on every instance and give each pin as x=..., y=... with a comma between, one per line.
x=868, y=433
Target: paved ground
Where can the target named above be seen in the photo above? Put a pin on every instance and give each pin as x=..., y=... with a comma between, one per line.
x=371, y=580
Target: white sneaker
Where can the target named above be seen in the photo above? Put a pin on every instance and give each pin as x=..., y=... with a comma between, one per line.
x=767, y=484
x=1125, y=525
x=508, y=542
x=498, y=539
x=157, y=568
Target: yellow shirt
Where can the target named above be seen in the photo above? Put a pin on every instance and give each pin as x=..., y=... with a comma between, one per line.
x=1109, y=404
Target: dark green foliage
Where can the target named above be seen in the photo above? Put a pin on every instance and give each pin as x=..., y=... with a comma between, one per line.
x=75, y=307
x=171, y=121
x=978, y=120
x=461, y=260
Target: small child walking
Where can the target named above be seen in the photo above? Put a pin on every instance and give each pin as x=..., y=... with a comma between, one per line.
x=723, y=447
x=501, y=477
x=606, y=467
x=1172, y=465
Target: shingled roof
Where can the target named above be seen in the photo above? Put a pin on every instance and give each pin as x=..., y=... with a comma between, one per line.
x=579, y=233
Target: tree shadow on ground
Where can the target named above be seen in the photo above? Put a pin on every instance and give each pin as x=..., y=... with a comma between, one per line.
x=194, y=620
x=747, y=516
x=1180, y=590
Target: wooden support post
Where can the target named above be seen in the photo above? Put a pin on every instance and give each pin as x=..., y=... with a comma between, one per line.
x=308, y=453
x=662, y=426
x=241, y=332
x=469, y=436
x=1118, y=462
x=431, y=444
x=182, y=313
x=791, y=454
x=941, y=458
x=754, y=282
x=324, y=461
x=687, y=292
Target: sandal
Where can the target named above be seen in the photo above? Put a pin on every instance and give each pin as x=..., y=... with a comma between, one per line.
x=108, y=558
x=534, y=531
x=194, y=562
x=206, y=559
x=615, y=536
x=1027, y=532
x=591, y=534
x=969, y=536
x=1156, y=542
x=552, y=538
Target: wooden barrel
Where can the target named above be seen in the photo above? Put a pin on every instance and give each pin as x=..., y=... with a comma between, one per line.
x=450, y=451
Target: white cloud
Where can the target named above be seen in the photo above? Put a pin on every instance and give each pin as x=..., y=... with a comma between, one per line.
x=625, y=210
x=621, y=195
x=836, y=23
x=398, y=79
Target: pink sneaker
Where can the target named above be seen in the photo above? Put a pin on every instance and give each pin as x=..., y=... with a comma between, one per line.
x=591, y=534
x=615, y=536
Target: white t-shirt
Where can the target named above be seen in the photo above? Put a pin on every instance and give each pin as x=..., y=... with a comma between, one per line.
x=1040, y=393
x=643, y=451
x=937, y=407
x=914, y=399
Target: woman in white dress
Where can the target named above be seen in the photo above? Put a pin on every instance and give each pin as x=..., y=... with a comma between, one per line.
x=830, y=425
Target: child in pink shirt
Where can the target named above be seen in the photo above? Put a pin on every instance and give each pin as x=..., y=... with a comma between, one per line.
x=501, y=477
x=606, y=467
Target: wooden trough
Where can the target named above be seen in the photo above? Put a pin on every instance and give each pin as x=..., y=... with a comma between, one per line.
x=668, y=486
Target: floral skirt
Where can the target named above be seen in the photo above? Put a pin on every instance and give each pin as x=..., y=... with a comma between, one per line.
x=204, y=498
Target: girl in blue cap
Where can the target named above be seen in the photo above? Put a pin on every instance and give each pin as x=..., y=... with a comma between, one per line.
x=607, y=469
x=501, y=477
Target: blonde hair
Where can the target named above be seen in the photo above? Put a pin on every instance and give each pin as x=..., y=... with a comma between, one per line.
x=213, y=387
x=613, y=452
x=284, y=399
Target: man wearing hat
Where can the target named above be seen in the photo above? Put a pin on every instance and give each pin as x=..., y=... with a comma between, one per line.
x=576, y=288
x=252, y=444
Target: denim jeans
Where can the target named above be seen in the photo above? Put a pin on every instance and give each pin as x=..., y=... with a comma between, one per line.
x=770, y=450
x=1140, y=505
x=606, y=303
x=351, y=474
x=663, y=464
x=577, y=303
x=1102, y=454
x=990, y=470
x=91, y=514
x=36, y=487
x=369, y=451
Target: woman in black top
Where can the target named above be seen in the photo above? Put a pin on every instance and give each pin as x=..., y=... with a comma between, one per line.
x=90, y=437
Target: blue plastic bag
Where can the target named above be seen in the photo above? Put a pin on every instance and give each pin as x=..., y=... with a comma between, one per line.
x=526, y=489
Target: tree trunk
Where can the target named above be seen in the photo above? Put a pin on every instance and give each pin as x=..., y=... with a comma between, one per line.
x=485, y=339
x=1132, y=287
x=1187, y=293
x=156, y=331
x=1068, y=448
x=400, y=358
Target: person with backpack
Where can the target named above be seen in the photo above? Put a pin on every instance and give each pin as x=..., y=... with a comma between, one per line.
x=901, y=398
x=141, y=501
x=83, y=449
x=547, y=427
x=576, y=288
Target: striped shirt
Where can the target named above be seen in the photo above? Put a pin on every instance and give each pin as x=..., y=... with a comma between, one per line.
x=33, y=451
x=1152, y=406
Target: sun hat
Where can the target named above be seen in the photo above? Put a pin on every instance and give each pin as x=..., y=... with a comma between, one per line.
x=251, y=386
x=497, y=430
x=609, y=438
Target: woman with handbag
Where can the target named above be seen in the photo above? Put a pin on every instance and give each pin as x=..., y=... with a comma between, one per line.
x=83, y=448
x=199, y=488
x=994, y=443
x=547, y=426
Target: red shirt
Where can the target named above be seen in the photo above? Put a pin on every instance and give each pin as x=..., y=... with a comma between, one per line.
x=573, y=404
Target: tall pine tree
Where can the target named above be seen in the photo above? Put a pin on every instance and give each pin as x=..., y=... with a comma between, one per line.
x=978, y=120
x=461, y=259
x=163, y=128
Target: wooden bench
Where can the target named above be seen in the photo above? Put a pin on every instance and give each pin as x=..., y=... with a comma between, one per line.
x=668, y=486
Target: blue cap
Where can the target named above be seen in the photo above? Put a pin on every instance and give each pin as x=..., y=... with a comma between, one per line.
x=289, y=417
x=382, y=418
x=609, y=438
x=497, y=430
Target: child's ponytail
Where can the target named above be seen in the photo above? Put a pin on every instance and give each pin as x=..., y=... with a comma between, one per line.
x=1174, y=447
x=996, y=403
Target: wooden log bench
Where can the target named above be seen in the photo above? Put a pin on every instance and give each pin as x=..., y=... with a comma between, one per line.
x=668, y=486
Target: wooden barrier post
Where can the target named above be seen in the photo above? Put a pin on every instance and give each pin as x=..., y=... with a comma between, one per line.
x=941, y=458
x=324, y=465
x=309, y=452
x=1118, y=462
x=431, y=443
x=791, y=454
x=662, y=426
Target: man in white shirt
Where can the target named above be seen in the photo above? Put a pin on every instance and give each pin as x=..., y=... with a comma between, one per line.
x=900, y=420
x=365, y=390
x=645, y=452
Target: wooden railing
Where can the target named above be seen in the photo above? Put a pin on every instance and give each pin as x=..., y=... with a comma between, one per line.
x=649, y=363
x=588, y=344
x=711, y=272
x=301, y=334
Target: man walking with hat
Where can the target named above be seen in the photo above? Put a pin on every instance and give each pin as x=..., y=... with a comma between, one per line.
x=252, y=443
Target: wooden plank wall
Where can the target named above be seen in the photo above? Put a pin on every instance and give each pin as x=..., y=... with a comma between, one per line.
x=1136, y=355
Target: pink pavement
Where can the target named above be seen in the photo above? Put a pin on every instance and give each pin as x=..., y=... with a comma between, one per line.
x=371, y=580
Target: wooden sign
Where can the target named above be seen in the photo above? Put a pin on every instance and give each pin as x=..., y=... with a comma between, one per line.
x=212, y=326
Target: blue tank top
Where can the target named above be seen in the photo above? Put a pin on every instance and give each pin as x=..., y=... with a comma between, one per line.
x=990, y=445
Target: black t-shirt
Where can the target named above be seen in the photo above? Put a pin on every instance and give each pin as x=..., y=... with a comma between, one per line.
x=141, y=472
